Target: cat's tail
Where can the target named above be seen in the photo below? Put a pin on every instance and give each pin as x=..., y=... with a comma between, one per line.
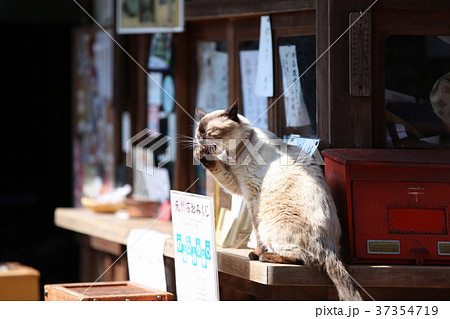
x=341, y=278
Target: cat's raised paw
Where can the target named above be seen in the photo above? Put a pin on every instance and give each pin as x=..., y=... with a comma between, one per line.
x=203, y=155
x=200, y=152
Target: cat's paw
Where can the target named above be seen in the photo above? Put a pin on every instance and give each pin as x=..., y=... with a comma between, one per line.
x=203, y=155
x=275, y=258
x=253, y=256
x=200, y=152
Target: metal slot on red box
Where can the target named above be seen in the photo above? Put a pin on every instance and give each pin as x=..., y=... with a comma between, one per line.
x=444, y=248
x=383, y=247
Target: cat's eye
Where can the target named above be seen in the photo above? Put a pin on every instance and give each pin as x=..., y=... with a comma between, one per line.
x=213, y=133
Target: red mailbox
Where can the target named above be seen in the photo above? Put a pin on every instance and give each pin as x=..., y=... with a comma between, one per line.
x=394, y=205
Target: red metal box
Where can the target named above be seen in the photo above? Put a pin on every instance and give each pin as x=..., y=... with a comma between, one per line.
x=394, y=205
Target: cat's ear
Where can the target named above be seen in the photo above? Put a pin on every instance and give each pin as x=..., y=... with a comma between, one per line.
x=232, y=112
x=200, y=113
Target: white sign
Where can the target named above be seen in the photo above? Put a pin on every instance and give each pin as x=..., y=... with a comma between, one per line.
x=145, y=250
x=254, y=106
x=294, y=104
x=212, y=83
x=195, y=247
x=158, y=185
x=154, y=91
x=308, y=145
x=264, y=77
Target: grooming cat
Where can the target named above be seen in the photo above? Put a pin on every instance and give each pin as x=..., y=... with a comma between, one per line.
x=294, y=217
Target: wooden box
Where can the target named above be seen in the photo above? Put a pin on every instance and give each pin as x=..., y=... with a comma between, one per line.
x=18, y=282
x=394, y=205
x=140, y=208
x=104, y=291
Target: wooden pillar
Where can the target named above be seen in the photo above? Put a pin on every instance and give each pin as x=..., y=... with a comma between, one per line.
x=344, y=120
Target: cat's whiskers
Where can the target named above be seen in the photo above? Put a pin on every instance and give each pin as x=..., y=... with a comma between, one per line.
x=188, y=142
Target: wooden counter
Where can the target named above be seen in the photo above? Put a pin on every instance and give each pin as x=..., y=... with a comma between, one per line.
x=235, y=263
x=109, y=227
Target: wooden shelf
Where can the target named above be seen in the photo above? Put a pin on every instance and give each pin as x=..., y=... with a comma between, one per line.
x=236, y=263
x=104, y=225
x=207, y=9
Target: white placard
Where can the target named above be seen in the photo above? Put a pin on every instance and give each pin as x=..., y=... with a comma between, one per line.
x=195, y=247
x=254, y=106
x=264, y=78
x=154, y=91
x=294, y=103
x=145, y=255
x=172, y=133
x=158, y=185
x=212, y=84
x=219, y=64
x=308, y=145
x=126, y=130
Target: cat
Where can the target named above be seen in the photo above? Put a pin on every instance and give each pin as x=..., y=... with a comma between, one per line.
x=293, y=214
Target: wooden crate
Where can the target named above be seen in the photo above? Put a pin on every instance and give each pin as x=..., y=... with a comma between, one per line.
x=104, y=291
x=18, y=282
x=394, y=205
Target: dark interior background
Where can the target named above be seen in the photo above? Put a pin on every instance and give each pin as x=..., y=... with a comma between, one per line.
x=35, y=59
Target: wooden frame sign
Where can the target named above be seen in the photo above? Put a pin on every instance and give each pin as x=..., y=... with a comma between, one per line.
x=196, y=269
x=150, y=16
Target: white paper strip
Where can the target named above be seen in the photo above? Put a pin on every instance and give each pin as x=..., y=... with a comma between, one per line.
x=294, y=104
x=145, y=254
x=154, y=92
x=264, y=78
x=212, y=84
x=126, y=130
x=158, y=185
x=253, y=105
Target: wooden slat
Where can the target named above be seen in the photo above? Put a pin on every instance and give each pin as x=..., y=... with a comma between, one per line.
x=401, y=276
x=235, y=262
x=413, y=4
x=322, y=75
x=351, y=124
x=105, y=246
x=234, y=288
x=183, y=176
x=207, y=9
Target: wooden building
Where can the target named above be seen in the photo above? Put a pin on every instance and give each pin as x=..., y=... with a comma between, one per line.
x=351, y=52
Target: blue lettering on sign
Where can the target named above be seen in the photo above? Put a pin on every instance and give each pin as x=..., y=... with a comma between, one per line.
x=195, y=252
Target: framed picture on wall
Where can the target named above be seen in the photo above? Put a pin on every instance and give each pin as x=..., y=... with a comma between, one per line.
x=150, y=16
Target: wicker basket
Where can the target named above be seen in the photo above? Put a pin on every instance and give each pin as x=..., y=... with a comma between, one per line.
x=98, y=207
x=140, y=208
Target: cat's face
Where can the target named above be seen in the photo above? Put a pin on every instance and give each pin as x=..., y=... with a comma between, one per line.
x=220, y=127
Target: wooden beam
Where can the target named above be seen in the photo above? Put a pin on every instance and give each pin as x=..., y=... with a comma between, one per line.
x=207, y=9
